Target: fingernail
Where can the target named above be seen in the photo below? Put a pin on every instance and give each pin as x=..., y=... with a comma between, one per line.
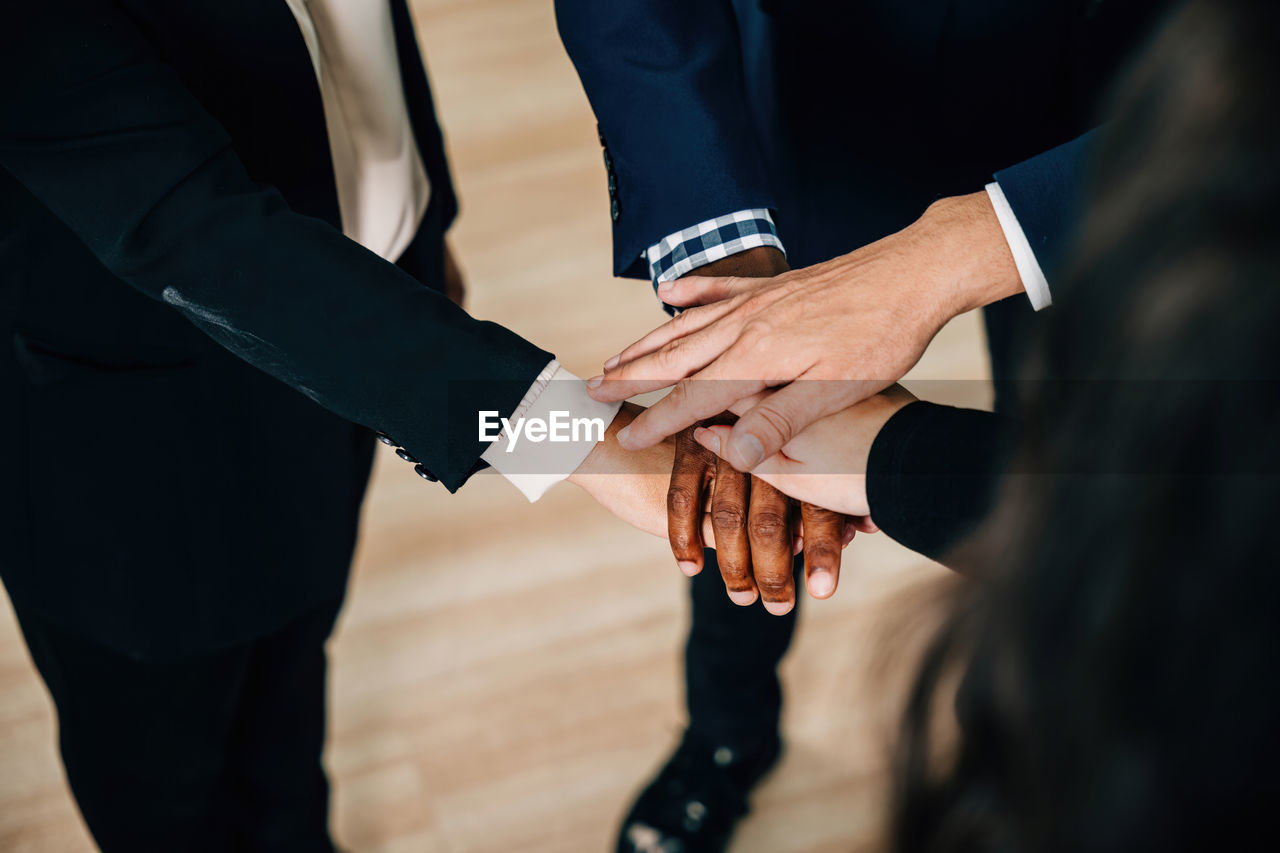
x=666, y=287
x=742, y=597
x=688, y=568
x=613, y=362
x=595, y=381
x=623, y=435
x=821, y=583
x=707, y=439
x=750, y=450
x=779, y=608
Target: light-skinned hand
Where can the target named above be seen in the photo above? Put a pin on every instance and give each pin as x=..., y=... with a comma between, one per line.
x=824, y=337
x=826, y=464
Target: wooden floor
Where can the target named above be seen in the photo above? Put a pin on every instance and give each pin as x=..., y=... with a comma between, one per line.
x=504, y=675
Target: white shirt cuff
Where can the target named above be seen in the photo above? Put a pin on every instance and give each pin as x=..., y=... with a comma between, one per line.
x=549, y=434
x=1033, y=280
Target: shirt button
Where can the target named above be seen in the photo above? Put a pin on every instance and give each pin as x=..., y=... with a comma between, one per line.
x=613, y=210
x=425, y=474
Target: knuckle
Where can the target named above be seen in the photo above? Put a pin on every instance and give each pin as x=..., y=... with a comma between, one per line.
x=758, y=325
x=776, y=422
x=774, y=587
x=769, y=524
x=685, y=393
x=735, y=572
x=681, y=545
x=671, y=353
x=819, y=513
x=679, y=394
x=681, y=322
x=822, y=554
x=681, y=500
x=727, y=516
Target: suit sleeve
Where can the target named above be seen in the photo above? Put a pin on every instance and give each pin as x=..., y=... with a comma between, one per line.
x=934, y=474
x=1045, y=194
x=102, y=132
x=665, y=79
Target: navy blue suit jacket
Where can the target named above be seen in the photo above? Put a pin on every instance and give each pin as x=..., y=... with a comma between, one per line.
x=846, y=119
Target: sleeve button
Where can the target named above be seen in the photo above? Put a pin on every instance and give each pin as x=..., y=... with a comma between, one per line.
x=404, y=454
x=422, y=472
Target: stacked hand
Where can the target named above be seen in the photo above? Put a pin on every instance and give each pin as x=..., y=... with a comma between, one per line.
x=847, y=329
x=826, y=464
x=754, y=527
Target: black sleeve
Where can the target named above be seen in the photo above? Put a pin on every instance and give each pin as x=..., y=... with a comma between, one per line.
x=99, y=129
x=934, y=472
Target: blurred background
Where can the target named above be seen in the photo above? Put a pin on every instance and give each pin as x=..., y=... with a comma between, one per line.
x=506, y=676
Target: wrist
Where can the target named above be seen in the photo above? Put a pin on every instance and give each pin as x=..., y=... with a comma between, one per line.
x=760, y=262
x=636, y=490
x=974, y=266
x=597, y=460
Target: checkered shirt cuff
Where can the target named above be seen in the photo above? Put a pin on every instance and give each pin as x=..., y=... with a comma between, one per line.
x=683, y=252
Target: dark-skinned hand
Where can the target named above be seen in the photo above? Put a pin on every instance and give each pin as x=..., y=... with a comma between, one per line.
x=756, y=528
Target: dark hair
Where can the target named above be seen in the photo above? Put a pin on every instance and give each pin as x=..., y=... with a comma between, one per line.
x=1119, y=661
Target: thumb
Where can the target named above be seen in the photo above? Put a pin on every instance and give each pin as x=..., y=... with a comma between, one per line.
x=766, y=428
x=776, y=470
x=702, y=290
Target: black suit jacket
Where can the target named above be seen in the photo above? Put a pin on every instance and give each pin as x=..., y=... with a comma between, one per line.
x=189, y=340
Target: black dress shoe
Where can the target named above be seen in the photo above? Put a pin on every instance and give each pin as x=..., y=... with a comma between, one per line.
x=697, y=798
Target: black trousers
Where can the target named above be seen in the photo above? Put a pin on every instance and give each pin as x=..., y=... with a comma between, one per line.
x=731, y=662
x=203, y=755
x=732, y=656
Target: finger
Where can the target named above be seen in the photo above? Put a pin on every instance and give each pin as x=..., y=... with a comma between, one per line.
x=746, y=404
x=793, y=478
x=729, y=504
x=684, y=323
x=667, y=365
x=769, y=532
x=766, y=429
x=690, y=477
x=824, y=533
x=779, y=470
x=690, y=401
x=702, y=290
